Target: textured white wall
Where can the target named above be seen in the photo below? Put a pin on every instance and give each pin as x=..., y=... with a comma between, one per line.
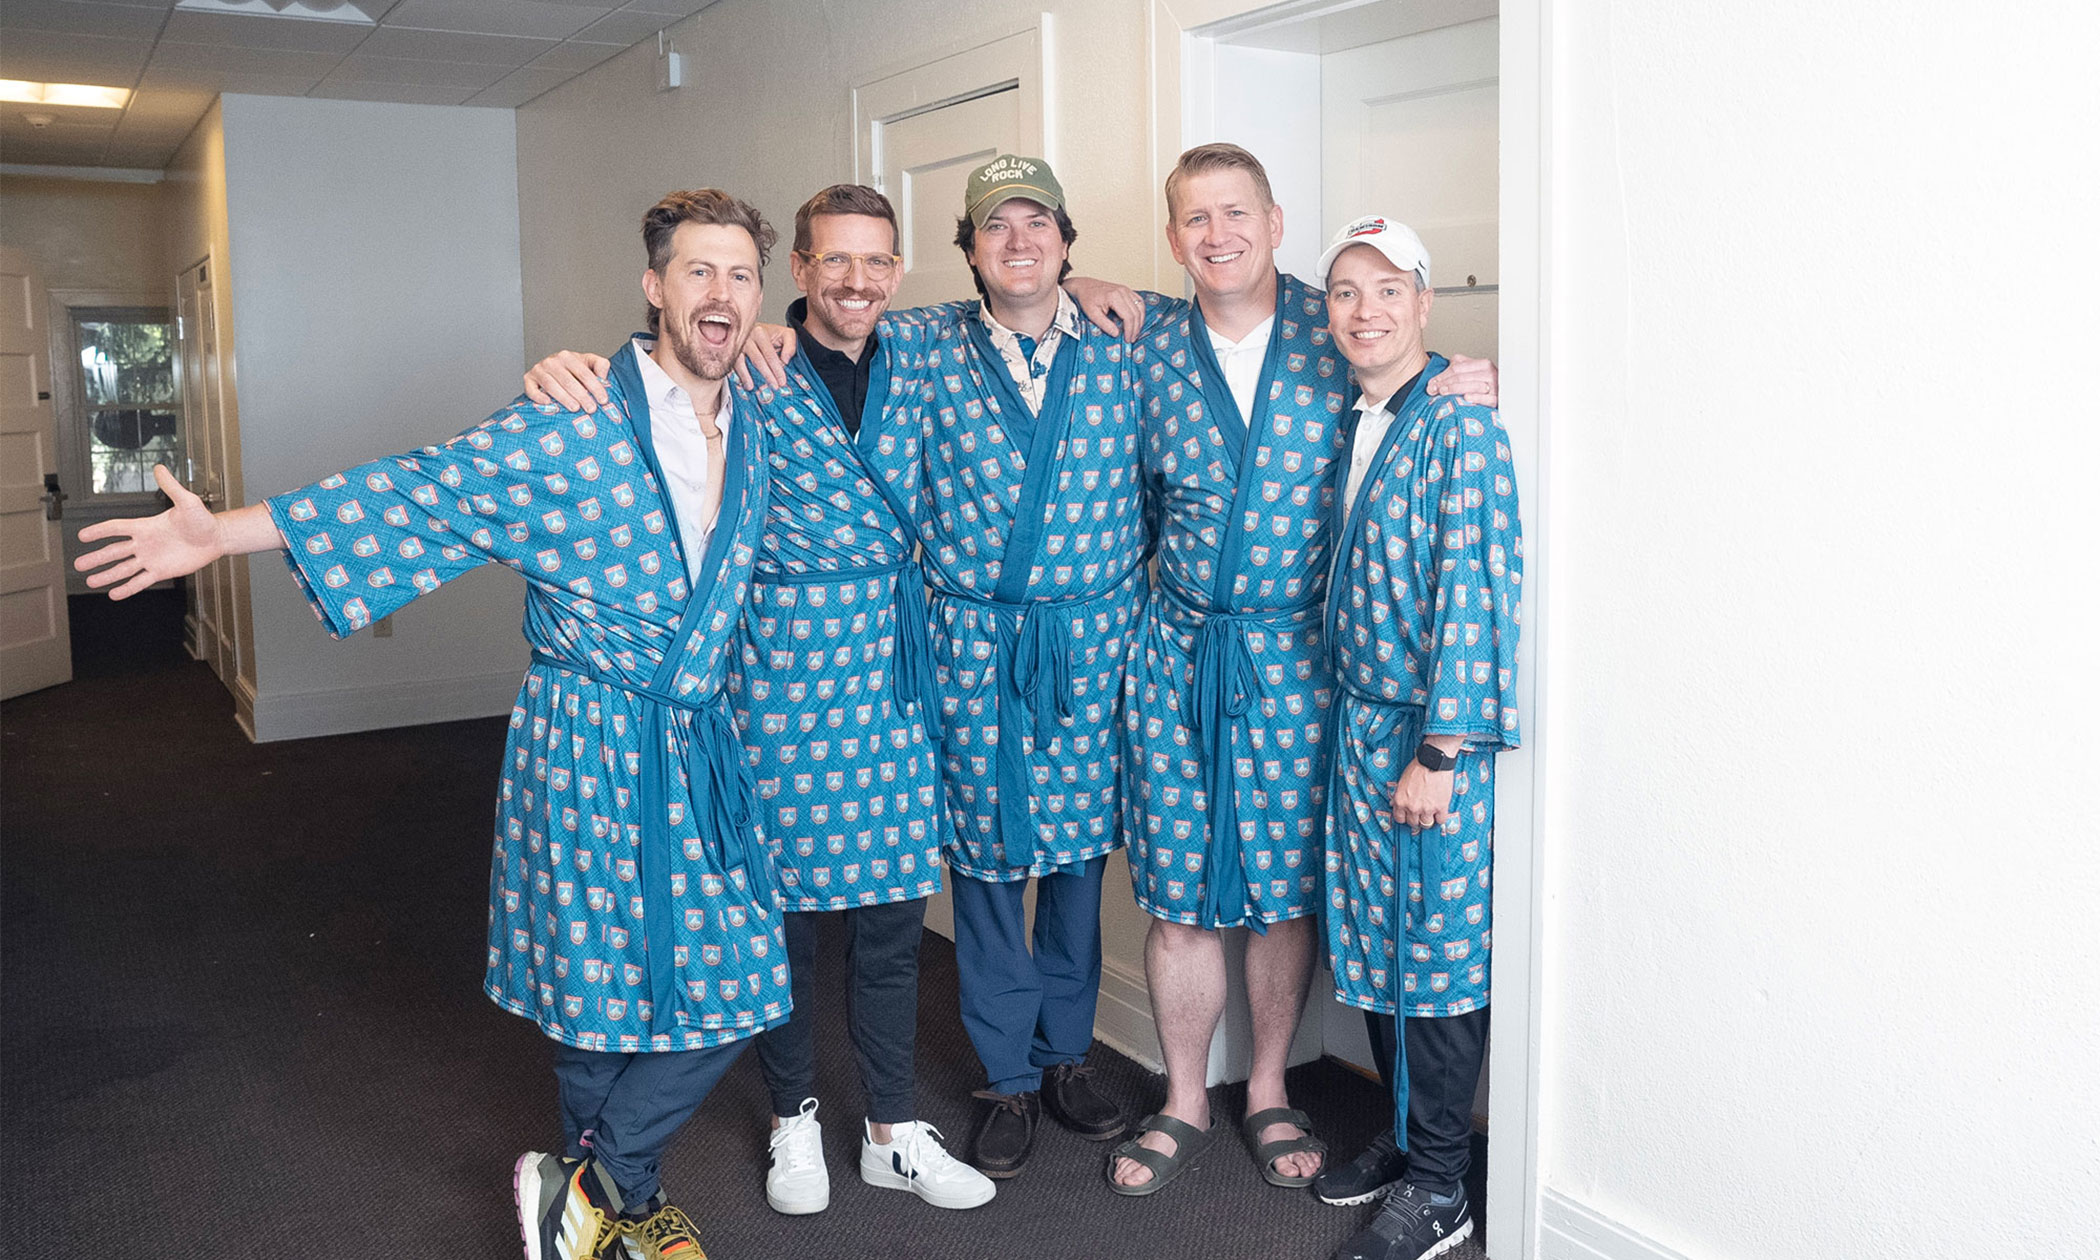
x=1821, y=978
x=378, y=307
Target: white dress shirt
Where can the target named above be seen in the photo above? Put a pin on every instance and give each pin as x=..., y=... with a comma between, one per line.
x=1241, y=361
x=1373, y=420
x=681, y=451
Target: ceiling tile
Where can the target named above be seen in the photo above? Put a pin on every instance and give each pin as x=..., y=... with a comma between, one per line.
x=520, y=86
x=494, y=50
x=535, y=18
x=575, y=56
x=625, y=29
x=398, y=93
x=220, y=58
x=451, y=74
x=245, y=31
x=676, y=8
x=164, y=104
x=67, y=17
x=50, y=58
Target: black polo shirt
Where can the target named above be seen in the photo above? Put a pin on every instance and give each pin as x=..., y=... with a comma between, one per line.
x=846, y=378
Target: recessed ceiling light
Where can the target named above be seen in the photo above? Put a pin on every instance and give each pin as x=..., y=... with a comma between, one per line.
x=81, y=94
x=298, y=10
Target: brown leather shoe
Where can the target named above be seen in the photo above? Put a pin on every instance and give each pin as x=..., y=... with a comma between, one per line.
x=1006, y=1134
x=1073, y=1102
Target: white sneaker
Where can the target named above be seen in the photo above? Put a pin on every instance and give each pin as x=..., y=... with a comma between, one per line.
x=913, y=1160
x=798, y=1184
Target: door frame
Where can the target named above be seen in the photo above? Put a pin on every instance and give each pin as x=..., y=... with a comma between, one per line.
x=1181, y=34
x=1019, y=61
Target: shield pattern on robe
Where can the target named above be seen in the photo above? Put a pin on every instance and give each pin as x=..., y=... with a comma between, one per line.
x=1232, y=682
x=1035, y=560
x=620, y=746
x=1425, y=609
x=847, y=773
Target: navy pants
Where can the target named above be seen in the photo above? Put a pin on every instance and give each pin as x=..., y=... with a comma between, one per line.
x=1028, y=1009
x=1444, y=1055
x=623, y=1109
x=882, y=1009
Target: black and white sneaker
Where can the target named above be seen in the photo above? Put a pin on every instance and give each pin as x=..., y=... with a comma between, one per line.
x=1413, y=1225
x=1371, y=1174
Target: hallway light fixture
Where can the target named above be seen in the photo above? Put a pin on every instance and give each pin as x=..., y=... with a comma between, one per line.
x=349, y=11
x=85, y=95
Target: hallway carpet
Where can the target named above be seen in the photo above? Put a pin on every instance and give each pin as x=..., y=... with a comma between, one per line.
x=241, y=1015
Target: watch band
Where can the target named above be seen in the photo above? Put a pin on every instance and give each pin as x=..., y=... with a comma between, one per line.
x=1430, y=757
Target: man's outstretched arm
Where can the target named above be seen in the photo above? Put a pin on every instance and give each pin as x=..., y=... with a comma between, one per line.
x=174, y=544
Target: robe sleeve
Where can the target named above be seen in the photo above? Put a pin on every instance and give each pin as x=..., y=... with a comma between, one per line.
x=921, y=324
x=1477, y=550
x=366, y=541
x=1161, y=313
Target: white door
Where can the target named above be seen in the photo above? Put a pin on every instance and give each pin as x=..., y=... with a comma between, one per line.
x=926, y=160
x=1410, y=130
x=36, y=648
x=211, y=628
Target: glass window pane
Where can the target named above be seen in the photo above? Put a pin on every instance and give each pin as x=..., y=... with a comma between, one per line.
x=127, y=361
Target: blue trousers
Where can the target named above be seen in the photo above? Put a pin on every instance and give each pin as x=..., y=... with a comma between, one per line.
x=1028, y=1009
x=623, y=1109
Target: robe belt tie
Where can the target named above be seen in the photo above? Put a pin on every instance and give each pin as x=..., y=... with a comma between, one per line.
x=724, y=797
x=912, y=670
x=1035, y=690
x=1226, y=682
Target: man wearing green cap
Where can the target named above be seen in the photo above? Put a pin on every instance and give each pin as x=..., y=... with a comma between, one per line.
x=1035, y=544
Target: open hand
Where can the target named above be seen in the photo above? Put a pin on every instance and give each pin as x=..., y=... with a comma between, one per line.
x=151, y=549
x=572, y=380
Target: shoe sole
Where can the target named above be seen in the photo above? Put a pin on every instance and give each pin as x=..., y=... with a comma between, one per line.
x=1458, y=1236
x=787, y=1207
x=525, y=1187
x=1354, y=1199
x=886, y=1179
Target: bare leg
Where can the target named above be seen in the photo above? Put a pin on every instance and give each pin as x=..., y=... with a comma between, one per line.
x=1185, y=968
x=1279, y=967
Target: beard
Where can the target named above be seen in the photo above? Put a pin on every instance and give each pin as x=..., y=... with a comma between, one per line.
x=708, y=362
x=843, y=324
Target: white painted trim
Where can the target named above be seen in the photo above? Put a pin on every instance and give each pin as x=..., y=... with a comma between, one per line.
x=91, y=174
x=342, y=710
x=1176, y=29
x=1123, y=1016
x=1020, y=61
x=1570, y=1231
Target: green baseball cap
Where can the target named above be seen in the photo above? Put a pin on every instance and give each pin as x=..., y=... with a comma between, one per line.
x=1006, y=177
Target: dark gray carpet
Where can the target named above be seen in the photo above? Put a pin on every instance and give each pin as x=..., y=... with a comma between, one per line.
x=240, y=1015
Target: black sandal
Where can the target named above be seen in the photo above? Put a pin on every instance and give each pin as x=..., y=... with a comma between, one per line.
x=1189, y=1142
x=1267, y=1153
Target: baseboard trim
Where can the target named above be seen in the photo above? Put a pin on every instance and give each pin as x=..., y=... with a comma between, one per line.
x=1123, y=1016
x=1570, y=1231
x=277, y=715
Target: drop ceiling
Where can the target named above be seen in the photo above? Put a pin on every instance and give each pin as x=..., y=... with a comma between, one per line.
x=177, y=58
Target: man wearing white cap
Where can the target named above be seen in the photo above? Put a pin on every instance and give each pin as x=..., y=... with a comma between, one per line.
x=1423, y=614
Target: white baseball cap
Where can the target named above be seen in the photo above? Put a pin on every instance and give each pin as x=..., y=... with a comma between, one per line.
x=1390, y=237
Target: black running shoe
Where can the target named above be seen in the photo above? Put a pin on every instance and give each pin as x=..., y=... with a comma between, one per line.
x=1411, y=1226
x=1371, y=1174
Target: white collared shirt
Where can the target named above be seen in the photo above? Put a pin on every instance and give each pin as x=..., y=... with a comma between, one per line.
x=1373, y=420
x=1242, y=361
x=681, y=451
x=1031, y=372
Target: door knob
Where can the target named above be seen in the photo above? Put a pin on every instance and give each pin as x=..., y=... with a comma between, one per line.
x=54, y=498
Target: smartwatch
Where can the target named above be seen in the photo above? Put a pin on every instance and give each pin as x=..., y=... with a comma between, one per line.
x=1430, y=757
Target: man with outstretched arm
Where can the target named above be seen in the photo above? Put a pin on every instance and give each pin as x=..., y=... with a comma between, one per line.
x=633, y=914
x=1228, y=703
x=1423, y=616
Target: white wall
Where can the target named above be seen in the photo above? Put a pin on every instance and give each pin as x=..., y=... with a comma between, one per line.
x=377, y=307
x=1821, y=977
